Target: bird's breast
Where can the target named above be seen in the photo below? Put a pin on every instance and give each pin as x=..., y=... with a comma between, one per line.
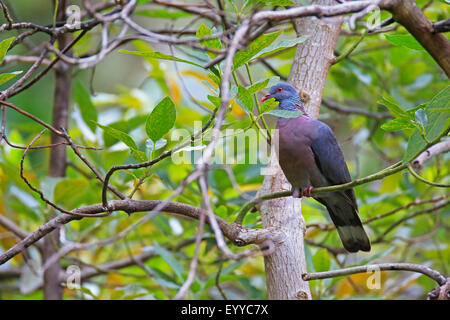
x=294, y=149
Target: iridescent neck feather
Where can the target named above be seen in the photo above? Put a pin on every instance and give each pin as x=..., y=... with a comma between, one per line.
x=289, y=103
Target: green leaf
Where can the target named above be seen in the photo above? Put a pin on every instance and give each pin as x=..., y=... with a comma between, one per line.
x=5, y=77
x=405, y=40
x=280, y=45
x=134, y=296
x=166, y=283
x=281, y=3
x=87, y=108
x=161, y=120
x=163, y=14
x=244, y=99
x=138, y=155
x=258, y=86
x=204, y=32
x=168, y=257
x=159, y=55
x=268, y=3
x=394, y=108
x=214, y=77
x=284, y=113
x=273, y=81
x=119, y=135
x=444, y=110
x=70, y=191
x=48, y=186
x=308, y=258
x=89, y=292
x=321, y=260
x=117, y=294
x=263, y=41
x=268, y=105
x=421, y=117
x=153, y=146
x=397, y=124
x=435, y=125
x=4, y=47
x=214, y=100
x=125, y=126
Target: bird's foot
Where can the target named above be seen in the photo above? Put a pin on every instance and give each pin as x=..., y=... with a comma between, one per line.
x=306, y=192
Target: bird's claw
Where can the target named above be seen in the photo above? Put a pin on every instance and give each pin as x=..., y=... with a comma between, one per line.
x=305, y=192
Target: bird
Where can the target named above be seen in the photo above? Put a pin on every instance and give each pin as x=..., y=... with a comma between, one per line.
x=310, y=157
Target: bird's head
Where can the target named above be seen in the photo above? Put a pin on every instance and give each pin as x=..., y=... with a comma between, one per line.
x=285, y=94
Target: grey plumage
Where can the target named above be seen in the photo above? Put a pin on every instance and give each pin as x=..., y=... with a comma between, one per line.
x=309, y=155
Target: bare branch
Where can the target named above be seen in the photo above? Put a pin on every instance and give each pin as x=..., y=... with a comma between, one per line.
x=418, y=177
x=407, y=13
x=433, y=274
x=6, y=14
x=441, y=26
x=438, y=148
x=237, y=234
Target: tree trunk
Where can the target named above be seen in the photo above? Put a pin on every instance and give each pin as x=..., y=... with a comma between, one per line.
x=57, y=166
x=286, y=264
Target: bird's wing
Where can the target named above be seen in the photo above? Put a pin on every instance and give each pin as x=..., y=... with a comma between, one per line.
x=341, y=206
x=329, y=158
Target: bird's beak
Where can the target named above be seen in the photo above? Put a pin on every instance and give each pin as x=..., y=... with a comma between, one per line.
x=267, y=96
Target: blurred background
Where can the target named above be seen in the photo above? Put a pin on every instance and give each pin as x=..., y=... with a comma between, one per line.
x=124, y=88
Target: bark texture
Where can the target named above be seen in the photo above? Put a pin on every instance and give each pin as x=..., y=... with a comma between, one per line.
x=286, y=264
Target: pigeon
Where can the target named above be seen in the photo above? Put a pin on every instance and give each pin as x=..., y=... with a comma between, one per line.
x=311, y=157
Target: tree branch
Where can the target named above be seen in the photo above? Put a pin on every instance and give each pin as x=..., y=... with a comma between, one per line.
x=236, y=233
x=408, y=14
x=441, y=26
x=434, y=150
x=433, y=274
x=418, y=177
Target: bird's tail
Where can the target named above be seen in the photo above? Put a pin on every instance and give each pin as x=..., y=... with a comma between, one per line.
x=349, y=227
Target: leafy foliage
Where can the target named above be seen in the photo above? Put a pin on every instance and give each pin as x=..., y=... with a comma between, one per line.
x=149, y=95
x=4, y=47
x=161, y=120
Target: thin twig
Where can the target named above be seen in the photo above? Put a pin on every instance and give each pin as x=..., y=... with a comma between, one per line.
x=41, y=194
x=431, y=183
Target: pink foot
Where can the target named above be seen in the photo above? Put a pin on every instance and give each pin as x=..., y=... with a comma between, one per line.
x=306, y=192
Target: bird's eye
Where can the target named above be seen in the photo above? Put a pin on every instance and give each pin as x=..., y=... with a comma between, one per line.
x=280, y=89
